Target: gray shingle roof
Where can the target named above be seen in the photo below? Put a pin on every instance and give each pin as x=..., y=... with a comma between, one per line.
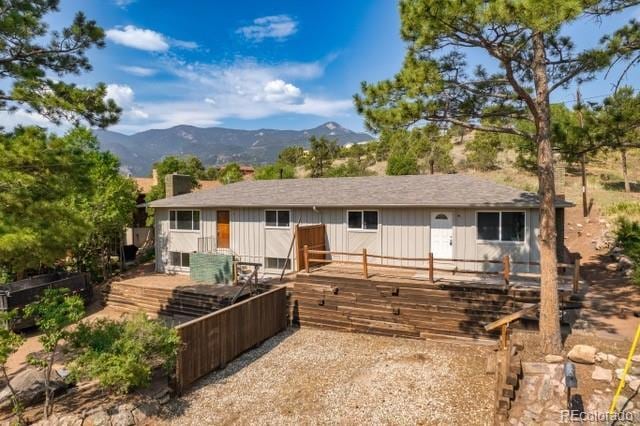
x=454, y=190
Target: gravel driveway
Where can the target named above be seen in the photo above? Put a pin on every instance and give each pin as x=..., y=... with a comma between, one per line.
x=311, y=376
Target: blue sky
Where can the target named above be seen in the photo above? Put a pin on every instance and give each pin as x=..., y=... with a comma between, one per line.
x=253, y=64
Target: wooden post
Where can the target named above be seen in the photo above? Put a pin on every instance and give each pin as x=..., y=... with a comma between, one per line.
x=503, y=336
x=506, y=268
x=365, y=268
x=306, y=258
x=431, y=267
x=576, y=274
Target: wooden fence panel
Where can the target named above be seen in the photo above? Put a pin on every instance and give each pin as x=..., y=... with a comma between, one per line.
x=213, y=340
x=312, y=236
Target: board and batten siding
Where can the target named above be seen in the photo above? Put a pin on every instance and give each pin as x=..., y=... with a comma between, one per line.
x=402, y=232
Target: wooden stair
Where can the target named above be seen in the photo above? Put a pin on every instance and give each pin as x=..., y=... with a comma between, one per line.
x=416, y=310
x=179, y=302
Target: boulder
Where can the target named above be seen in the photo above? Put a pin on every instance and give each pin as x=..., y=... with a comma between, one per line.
x=602, y=374
x=628, y=378
x=145, y=410
x=29, y=387
x=97, y=418
x=624, y=263
x=583, y=354
x=553, y=359
x=634, y=385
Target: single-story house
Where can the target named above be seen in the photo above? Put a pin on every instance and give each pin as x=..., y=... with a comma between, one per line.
x=453, y=216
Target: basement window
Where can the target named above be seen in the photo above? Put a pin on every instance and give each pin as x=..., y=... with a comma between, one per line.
x=362, y=220
x=277, y=263
x=184, y=220
x=276, y=218
x=179, y=259
x=501, y=226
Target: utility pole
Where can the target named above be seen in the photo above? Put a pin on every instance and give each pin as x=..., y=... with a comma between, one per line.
x=585, y=208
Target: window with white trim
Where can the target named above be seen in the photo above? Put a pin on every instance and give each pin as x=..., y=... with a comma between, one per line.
x=277, y=263
x=501, y=226
x=179, y=259
x=187, y=220
x=362, y=220
x=276, y=218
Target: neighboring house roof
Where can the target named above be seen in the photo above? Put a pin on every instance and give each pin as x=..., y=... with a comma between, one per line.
x=146, y=183
x=454, y=190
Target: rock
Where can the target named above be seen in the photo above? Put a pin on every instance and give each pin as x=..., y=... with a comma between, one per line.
x=634, y=385
x=579, y=225
x=123, y=418
x=624, y=263
x=636, y=359
x=629, y=378
x=546, y=389
x=534, y=368
x=601, y=357
x=145, y=410
x=554, y=359
x=97, y=418
x=623, y=404
x=602, y=374
x=583, y=354
x=611, y=267
x=69, y=420
x=620, y=362
x=29, y=386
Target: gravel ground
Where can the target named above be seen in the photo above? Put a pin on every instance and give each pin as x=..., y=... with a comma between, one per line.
x=311, y=376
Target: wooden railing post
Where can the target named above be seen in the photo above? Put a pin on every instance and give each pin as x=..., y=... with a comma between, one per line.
x=430, y=267
x=576, y=274
x=306, y=258
x=506, y=268
x=365, y=268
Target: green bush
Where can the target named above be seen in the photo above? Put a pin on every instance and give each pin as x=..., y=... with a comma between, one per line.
x=121, y=355
x=624, y=209
x=628, y=237
x=402, y=163
x=482, y=152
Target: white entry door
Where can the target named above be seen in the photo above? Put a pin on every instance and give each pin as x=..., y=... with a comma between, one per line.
x=442, y=235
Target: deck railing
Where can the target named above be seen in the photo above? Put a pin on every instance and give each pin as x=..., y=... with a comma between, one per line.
x=429, y=261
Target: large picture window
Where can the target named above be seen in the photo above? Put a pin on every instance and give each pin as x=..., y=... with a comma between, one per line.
x=501, y=226
x=276, y=218
x=184, y=220
x=362, y=220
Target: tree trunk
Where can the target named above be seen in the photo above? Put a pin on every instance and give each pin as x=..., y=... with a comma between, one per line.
x=431, y=166
x=625, y=172
x=549, y=310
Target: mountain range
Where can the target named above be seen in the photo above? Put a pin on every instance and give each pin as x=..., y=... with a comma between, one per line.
x=214, y=145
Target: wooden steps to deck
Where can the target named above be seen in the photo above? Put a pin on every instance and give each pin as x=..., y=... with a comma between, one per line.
x=189, y=301
x=408, y=309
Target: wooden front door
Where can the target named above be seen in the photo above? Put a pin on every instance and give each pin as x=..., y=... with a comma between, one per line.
x=222, y=228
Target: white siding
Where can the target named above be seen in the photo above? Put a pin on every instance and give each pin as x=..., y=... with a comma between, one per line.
x=402, y=232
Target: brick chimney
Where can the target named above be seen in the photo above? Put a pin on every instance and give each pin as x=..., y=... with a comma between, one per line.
x=176, y=184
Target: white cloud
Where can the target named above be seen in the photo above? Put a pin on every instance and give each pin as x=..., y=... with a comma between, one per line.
x=121, y=94
x=210, y=101
x=124, y=3
x=138, y=38
x=183, y=44
x=145, y=39
x=278, y=91
x=278, y=27
x=139, y=71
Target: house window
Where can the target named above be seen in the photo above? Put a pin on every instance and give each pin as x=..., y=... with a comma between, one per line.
x=184, y=219
x=179, y=259
x=277, y=263
x=277, y=218
x=501, y=226
x=362, y=219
